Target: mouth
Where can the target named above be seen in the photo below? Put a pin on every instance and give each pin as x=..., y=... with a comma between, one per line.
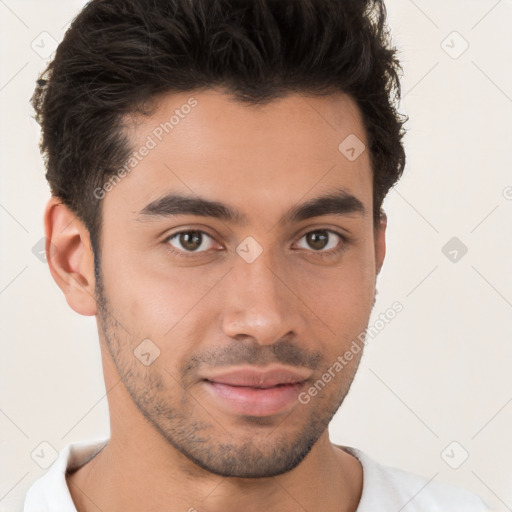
x=250, y=392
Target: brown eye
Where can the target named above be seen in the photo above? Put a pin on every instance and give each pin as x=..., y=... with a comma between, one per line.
x=322, y=240
x=190, y=241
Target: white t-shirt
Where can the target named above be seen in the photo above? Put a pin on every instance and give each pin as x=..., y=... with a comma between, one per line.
x=385, y=489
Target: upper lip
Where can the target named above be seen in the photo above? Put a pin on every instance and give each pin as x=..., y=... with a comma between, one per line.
x=259, y=378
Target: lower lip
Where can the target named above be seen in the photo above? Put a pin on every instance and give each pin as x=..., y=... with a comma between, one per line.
x=255, y=401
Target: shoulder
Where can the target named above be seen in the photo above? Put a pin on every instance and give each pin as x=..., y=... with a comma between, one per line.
x=386, y=486
x=50, y=493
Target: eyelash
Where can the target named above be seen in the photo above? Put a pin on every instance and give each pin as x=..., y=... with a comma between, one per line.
x=342, y=246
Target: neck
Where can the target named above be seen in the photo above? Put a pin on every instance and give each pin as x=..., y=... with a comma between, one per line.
x=149, y=475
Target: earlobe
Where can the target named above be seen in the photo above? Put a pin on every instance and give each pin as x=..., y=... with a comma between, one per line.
x=380, y=241
x=70, y=256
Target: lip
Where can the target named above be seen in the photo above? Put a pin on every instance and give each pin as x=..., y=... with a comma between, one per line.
x=259, y=378
x=256, y=392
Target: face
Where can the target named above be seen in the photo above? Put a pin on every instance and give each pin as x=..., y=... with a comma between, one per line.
x=238, y=262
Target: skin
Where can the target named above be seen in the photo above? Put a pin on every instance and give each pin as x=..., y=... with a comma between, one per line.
x=172, y=447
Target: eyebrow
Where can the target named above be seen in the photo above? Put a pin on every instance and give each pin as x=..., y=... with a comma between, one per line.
x=339, y=203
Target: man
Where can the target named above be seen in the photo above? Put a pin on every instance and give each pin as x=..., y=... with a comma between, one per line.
x=218, y=170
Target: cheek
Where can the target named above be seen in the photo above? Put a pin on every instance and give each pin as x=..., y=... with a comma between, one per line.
x=159, y=302
x=341, y=294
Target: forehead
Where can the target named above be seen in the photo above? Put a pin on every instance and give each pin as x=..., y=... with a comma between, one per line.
x=204, y=120
x=206, y=143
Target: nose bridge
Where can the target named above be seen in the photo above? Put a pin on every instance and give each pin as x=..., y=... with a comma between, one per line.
x=258, y=303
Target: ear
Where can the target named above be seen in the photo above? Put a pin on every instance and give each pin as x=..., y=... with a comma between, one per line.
x=380, y=240
x=70, y=257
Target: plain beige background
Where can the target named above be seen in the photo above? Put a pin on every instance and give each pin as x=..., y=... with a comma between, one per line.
x=434, y=391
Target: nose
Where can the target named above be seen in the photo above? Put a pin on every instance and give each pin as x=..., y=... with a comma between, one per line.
x=260, y=302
